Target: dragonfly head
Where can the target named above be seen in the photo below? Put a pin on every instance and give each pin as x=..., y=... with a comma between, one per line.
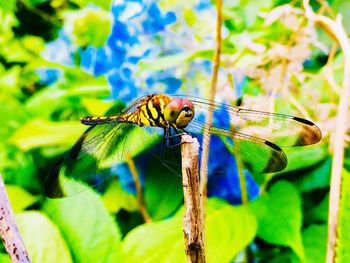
x=179, y=112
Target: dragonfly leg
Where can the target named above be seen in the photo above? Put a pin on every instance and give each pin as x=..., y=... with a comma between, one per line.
x=177, y=135
x=167, y=143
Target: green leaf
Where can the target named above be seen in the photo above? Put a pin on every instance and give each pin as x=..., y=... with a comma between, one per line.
x=155, y=242
x=5, y=258
x=18, y=167
x=12, y=115
x=42, y=238
x=164, y=62
x=317, y=178
x=52, y=97
x=303, y=157
x=280, y=217
x=231, y=227
x=161, y=203
x=105, y=4
x=190, y=16
x=115, y=198
x=318, y=213
x=20, y=198
x=87, y=227
x=39, y=133
x=88, y=26
x=251, y=9
x=8, y=6
x=343, y=240
x=315, y=244
x=170, y=61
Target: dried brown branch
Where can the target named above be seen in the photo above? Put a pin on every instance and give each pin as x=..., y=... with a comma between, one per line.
x=193, y=221
x=9, y=231
x=209, y=117
x=139, y=192
x=336, y=30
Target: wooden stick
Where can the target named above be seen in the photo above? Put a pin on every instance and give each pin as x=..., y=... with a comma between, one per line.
x=9, y=231
x=193, y=220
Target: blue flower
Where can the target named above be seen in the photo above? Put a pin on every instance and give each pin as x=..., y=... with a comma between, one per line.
x=223, y=178
x=125, y=177
x=48, y=76
x=156, y=21
x=203, y=4
x=95, y=60
x=65, y=56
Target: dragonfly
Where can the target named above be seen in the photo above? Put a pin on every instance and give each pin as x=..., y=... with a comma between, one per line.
x=259, y=135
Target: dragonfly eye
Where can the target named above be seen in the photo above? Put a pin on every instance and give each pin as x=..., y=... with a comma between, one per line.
x=179, y=112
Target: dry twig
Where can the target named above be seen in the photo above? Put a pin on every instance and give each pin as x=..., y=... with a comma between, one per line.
x=193, y=221
x=9, y=231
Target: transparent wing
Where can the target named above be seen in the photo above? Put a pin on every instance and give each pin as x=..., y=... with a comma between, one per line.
x=280, y=129
x=258, y=155
x=90, y=160
x=256, y=134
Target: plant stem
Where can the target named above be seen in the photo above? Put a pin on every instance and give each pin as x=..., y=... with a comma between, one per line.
x=139, y=193
x=336, y=30
x=209, y=116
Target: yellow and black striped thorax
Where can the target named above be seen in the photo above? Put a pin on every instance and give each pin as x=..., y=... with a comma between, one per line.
x=147, y=111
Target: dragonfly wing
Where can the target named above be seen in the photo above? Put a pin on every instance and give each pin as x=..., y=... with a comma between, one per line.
x=280, y=129
x=258, y=155
x=90, y=159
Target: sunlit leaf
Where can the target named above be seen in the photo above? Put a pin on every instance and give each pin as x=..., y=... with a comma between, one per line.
x=88, y=26
x=43, y=240
x=164, y=62
x=315, y=244
x=231, y=227
x=343, y=238
x=5, y=258
x=38, y=133
x=87, y=226
x=155, y=242
x=170, y=61
x=20, y=198
x=228, y=230
x=115, y=198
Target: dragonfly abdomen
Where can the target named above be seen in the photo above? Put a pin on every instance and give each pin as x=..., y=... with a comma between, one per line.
x=90, y=120
x=149, y=112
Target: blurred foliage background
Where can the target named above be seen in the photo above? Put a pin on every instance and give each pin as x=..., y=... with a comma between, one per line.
x=61, y=60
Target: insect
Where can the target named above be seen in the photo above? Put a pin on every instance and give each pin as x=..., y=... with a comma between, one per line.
x=258, y=134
